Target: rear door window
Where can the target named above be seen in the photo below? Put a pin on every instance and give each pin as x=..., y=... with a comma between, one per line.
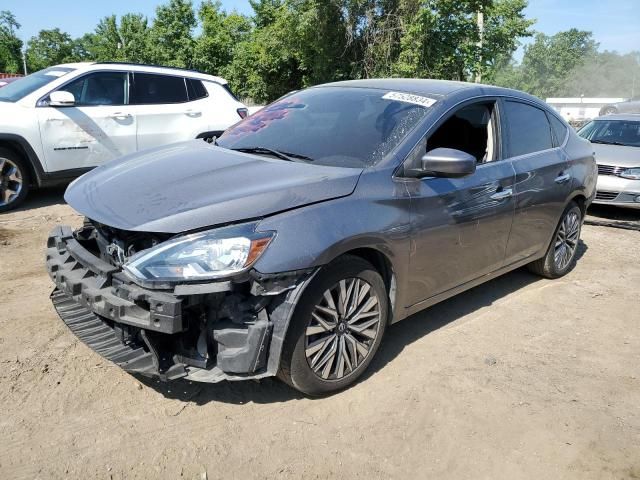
x=153, y=89
x=528, y=129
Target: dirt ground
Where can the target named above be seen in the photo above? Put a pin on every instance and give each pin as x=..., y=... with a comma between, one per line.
x=518, y=378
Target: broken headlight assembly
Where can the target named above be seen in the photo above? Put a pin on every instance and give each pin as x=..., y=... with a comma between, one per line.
x=201, y=256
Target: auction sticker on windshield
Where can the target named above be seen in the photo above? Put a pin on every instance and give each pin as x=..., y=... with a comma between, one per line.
x=409, y=98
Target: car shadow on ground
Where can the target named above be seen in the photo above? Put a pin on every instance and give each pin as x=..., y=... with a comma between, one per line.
x=610, y=216
x=397, y=337
x=45, y=197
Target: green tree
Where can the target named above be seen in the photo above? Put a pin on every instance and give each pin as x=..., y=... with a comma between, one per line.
x=215, y=48
x=10, y=44
x=441, y=38
x=124, y=41
x=607, y=74
x=49, y=47
x=548, y=61
x=171, y=35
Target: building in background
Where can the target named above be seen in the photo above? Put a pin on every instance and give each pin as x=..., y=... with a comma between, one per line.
x=578, y=110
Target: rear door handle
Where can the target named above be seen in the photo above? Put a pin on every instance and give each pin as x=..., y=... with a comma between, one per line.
x=563, y=178
x=193, y=113
x=502, y=194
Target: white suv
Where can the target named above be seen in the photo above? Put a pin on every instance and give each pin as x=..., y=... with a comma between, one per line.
x=60, y=122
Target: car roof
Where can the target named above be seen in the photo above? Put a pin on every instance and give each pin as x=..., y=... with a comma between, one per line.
x=140, y=67
x=439, y=88
x=633, y=117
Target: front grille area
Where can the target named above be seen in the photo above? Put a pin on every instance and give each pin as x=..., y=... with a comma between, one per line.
x=607, y=196
x=609, y=170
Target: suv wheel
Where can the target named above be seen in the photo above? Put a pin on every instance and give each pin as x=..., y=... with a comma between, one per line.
x=336, y=329
x=14, y=180
x=561, y=255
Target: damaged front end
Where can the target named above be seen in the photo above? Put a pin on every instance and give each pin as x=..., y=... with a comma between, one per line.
x=230, y=328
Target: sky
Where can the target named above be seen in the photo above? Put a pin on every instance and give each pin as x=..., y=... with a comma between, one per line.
x=614, y=23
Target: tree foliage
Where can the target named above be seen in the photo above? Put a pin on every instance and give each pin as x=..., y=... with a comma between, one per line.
x=548, y=61
x=49, y=47
x=291, y=44
x=10, y=44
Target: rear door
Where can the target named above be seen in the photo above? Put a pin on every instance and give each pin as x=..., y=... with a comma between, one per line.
x=98, y=128
x=163, y=110
x=460, y=226
x=542, y=182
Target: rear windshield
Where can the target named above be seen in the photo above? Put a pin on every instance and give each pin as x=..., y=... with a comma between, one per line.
x=29, y=84
x=612, y=132
x=336, y=126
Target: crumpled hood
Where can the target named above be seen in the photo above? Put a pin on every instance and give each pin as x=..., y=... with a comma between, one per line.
x=191, y=185
x=617, y=155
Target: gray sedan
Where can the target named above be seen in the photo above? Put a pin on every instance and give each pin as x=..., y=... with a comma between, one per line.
x=288, y=247
x=616, y=142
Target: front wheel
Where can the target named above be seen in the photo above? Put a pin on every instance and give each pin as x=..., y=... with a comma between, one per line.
x=609, y=111
x=14, y=180
x=336, y=329
x=561, y=255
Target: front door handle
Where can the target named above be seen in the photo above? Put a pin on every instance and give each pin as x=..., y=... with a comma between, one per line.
x=192, y=113
x=120, y=116
x=502, y=194
x=563, y=178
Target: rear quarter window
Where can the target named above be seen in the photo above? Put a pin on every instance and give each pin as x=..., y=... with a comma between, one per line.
x=559, y=130
x=195, y=89
x=527, y=128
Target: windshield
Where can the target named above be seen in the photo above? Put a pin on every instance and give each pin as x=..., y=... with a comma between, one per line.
x=21, y=88
x=613, y=132
x=335, y=126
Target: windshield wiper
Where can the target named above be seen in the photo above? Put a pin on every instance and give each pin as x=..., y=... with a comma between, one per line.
x=290, y=157
x=604, y=142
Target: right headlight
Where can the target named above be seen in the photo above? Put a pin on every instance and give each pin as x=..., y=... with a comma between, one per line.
x=630, y=173
x=201, y=256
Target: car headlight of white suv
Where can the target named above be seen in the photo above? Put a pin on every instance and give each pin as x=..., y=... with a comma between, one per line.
x=207, y=255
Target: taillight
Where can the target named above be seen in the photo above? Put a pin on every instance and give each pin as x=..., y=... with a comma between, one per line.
x=243, y=112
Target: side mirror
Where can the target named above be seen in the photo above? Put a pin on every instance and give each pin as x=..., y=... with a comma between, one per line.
x=448, y=162
x=61, y=98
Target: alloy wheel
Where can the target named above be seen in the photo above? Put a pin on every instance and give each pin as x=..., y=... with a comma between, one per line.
x=567, y=240
x=10, y=181
x=343, y=327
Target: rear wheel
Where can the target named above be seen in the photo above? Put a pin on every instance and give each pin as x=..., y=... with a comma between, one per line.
x=337, y=328
x=14, y=180
x=609, y=110
x=561, y=255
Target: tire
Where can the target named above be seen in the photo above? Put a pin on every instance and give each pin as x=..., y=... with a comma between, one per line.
x=14, y=180
x=565, y=241
x=309, y=341
x=610, y=110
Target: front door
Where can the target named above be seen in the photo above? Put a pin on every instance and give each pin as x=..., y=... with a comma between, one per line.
x=98, y=128
x=460, y=226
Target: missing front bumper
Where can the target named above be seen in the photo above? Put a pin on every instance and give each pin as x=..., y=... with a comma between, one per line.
x=232, y=334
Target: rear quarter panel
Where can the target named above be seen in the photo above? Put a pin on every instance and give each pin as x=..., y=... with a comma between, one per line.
x=581, y=158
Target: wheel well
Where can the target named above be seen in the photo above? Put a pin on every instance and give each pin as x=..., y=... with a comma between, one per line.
x=382, y=264
x=581, y=201
x=18, y=149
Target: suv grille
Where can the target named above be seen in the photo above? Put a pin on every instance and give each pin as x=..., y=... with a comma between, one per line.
x=609, y=170
x=606, y=195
